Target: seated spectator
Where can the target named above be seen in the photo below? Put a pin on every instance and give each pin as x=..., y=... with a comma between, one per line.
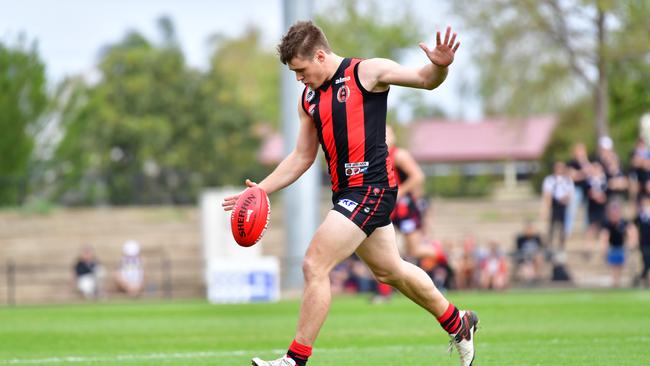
x=559, y=271
x=360, y=276
x=130, y=274
x=494, y=269
x=339, y=277
x=466, y=266
x=437, y=266
x=88, y=274
x=528, y=256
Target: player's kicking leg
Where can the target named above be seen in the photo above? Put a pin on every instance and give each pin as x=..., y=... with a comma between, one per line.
x=379, y=252
x=334, y=241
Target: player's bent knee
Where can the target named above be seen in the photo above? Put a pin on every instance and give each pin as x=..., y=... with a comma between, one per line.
x=312, y=269
x=387, y=277
x=391, y=274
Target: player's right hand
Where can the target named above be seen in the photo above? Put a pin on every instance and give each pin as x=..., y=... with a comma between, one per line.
x=229, y=202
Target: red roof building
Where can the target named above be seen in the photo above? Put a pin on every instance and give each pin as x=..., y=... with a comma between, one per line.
x=436, y=141
x=508, y=147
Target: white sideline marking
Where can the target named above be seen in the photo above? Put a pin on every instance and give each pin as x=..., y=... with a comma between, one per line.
x=127, y=357
x=179, y=355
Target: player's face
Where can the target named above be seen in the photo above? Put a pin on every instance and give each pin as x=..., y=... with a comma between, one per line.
x=309, y=71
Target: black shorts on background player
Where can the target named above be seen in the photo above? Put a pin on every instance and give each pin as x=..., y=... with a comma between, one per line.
x=407, y=216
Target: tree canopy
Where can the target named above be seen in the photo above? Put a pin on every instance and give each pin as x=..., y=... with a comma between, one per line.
x=23, y=100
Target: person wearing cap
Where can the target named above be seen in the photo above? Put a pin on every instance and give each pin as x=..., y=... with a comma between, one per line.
x=88, y=274
x=130, y=274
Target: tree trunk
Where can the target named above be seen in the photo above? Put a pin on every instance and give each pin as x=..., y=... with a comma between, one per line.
x=601, y=92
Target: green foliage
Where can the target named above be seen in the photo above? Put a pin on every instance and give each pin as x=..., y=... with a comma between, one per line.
x=359, y=29
x=630, y=99
x=574, y=125
x=630, y=76
x=23, y=100
x=524, y=69
x=151, y=130
x=458, y=185
x=248, y=73
x=542, y=56
x=419, y=106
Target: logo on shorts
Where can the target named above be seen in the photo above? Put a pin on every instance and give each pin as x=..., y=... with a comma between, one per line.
x=343, y=94
x=348, y=204
x=356, y=168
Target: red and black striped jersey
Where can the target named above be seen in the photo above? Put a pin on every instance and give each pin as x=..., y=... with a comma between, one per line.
x=351, y=125
x=400, y=175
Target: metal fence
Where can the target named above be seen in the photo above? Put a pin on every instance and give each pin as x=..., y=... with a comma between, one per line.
x=39, y=282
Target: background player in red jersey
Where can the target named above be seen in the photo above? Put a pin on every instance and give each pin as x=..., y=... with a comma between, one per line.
x=408, y=215
x=344, y=108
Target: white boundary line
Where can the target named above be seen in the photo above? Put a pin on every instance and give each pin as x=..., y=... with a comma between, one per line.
x=125, y=357
x=182, y=355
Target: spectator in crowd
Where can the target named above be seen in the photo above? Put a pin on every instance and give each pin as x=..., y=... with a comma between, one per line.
x=617, y=183
x=615, y=234
x=339, y=277
x=88, y=274
x=360, y=276
x=130, y=274
x=597, y=199
x=494, y=269
x=408, y=215
x=557, y=190
x=642, y=222
x=467, y=264
x=639, y=166
x=578, y=168
x=528, y=255
x=438, y=267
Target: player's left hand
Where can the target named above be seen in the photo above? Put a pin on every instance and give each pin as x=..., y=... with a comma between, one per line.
x=443, y=54
x=229, y=202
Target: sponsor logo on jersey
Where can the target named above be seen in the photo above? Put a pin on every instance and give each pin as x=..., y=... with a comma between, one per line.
x=341, y=80
x=310, y=95
x=348, y=204
x=343, y=94
x=356, y=168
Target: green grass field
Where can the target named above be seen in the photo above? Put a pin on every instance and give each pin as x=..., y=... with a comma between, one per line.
x=517, y=328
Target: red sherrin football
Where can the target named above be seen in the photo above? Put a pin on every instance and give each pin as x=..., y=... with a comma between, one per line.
x=250, y=216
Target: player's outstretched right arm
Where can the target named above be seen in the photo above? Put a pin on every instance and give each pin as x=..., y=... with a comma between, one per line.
x=293, y=166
